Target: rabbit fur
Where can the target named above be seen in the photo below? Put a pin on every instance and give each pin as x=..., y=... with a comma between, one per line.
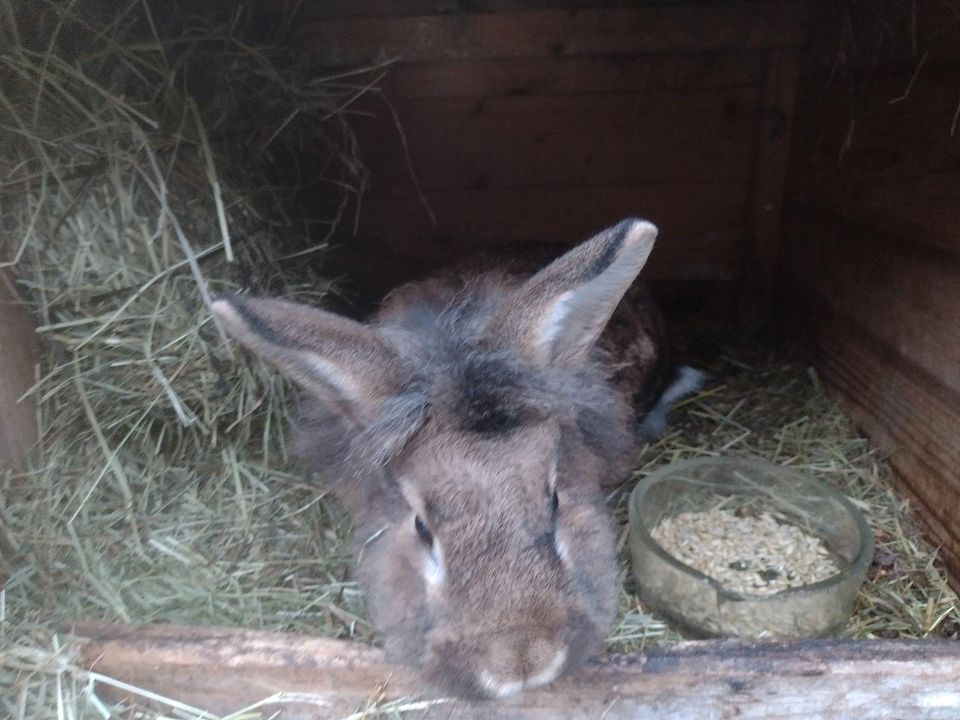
x=469, y=427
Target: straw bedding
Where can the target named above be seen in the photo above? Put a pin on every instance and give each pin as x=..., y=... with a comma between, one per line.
x=150, y=158
x=761, y=402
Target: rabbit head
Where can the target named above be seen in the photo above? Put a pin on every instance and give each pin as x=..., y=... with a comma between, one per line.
x=468, y=427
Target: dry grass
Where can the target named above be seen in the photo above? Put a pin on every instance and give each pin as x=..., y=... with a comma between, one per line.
x=138, y=176
x=147, y=162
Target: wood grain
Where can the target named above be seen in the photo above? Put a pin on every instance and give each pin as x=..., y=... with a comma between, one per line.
x=522, y=122
x=564, y=141
x=553, y=32
x=18, y=424
x=893, y=169
x=223, y=670
x=313, y=9
x=558, y=168
x=772, y=153
x=871, y=248
x=905, y=296
x=702, y=243
x=594, y=75
x=917, y=428
x=880, y=319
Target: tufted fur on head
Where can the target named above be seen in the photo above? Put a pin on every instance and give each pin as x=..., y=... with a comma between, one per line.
x=469, y=427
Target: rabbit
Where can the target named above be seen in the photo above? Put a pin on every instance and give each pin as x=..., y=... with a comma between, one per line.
x=469, y=427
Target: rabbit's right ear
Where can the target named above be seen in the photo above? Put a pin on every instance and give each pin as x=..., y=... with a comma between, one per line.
x=559, y=313
x=343, y=363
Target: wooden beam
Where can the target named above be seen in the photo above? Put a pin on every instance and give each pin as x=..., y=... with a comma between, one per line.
x=700, y=244
x=223, y=670
x=556, y=33
x=564, y=140
x=18, y=424
x=886, y=168
x=629, y=74
x=877, y=315
x=769, y=179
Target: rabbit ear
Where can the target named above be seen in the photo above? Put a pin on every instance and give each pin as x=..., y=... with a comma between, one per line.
x=346, y=365
x=559, y=313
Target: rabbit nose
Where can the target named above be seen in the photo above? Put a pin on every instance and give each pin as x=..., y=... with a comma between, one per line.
x=519, y=664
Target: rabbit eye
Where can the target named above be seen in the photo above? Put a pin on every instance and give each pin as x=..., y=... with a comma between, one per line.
x=423, y=532
x=554, y=503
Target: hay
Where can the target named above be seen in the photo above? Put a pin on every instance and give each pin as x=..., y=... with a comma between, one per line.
x=149, y=158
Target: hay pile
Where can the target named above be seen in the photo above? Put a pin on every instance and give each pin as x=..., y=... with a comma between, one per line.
x=151, y=155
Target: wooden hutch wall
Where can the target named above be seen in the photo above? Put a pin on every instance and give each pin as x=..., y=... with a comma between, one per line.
x=546, y=121
x=870, y=250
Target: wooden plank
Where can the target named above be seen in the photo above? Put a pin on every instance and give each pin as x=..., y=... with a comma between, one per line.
x=637, y=112
x=903, y=413
x=872, y=251
x=905, y=296
x=883, y=34
x=888, y=168
x=880, y=319
x=893, y=184
x=571, y=75
x=916, y=428
x=769, y=177
x=553, y=33
x=390, y=8
x=18, y=424
x=563, y=141
x=701, y=224
x=225, y=670
x=313, y=9
x=923, y=211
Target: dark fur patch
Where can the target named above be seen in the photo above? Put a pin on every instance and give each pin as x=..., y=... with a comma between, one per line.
x=257, y=325
x=468, y=383
x=609, y=254
x=492, y=394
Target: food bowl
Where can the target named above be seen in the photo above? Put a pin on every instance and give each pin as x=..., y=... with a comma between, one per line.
x=739, y=547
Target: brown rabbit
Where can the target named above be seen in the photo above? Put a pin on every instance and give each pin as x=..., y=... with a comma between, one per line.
x=469, y=427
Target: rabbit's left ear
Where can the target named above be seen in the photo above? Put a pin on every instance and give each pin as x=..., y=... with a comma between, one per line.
x=559, y=313
x=346, y=365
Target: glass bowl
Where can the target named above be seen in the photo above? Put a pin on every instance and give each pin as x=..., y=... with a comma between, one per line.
x=697, y=603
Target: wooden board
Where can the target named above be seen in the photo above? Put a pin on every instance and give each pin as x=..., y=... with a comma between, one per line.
x=564, y=141
x=871, y=249
x=225, y=670
x=905, y=296
x=557, y=168
x=313, y=9
x=772, y=153
x=699, y=244
x=907, y=418
x=545, y=121
x=893, y=169
x=556, y=32
x=569, y=75
x=18, y=423
x=880, y=319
